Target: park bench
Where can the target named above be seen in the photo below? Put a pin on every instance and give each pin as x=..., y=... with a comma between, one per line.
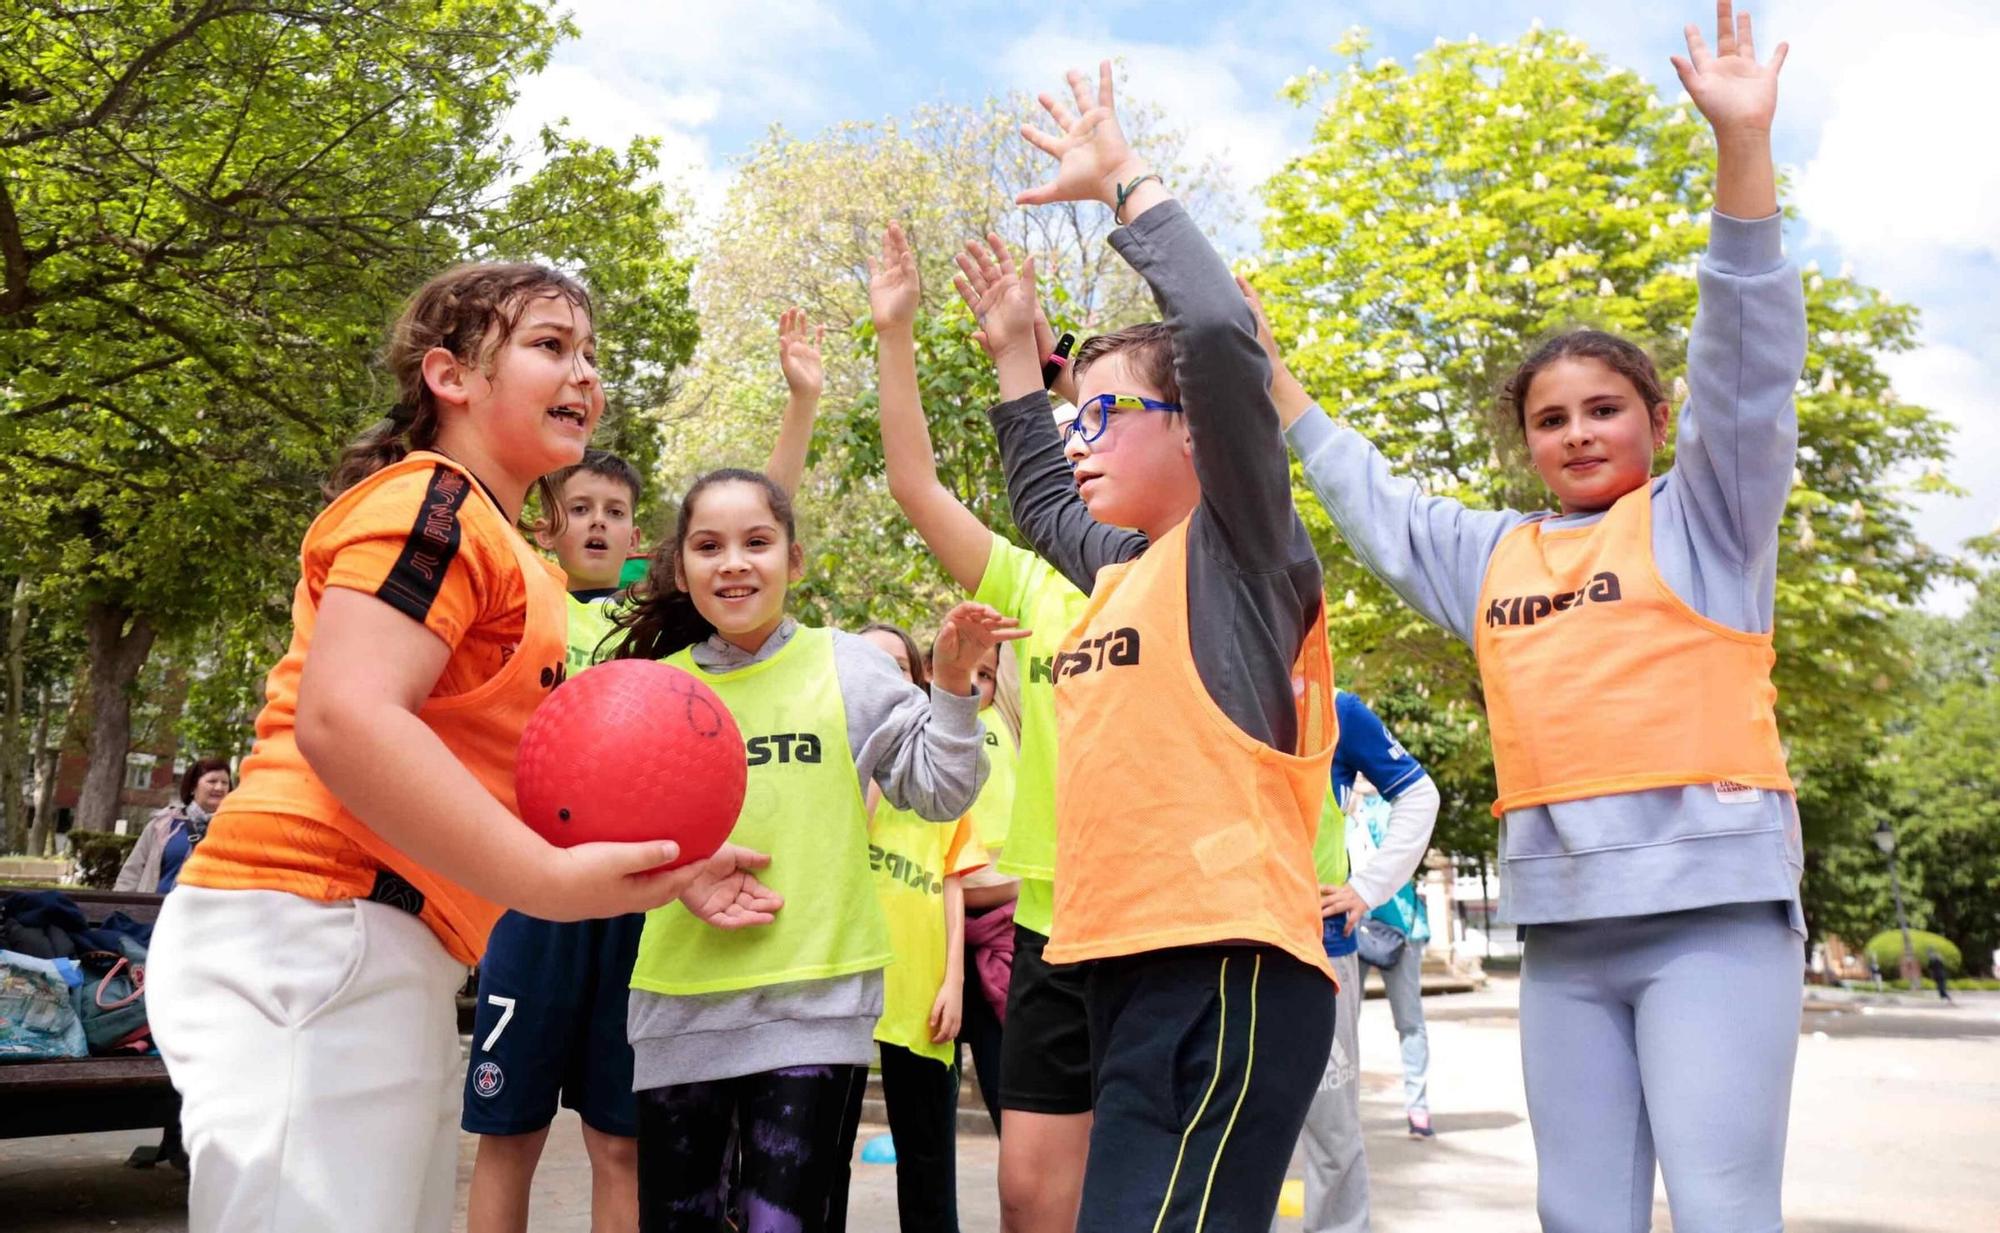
x=92, y=1094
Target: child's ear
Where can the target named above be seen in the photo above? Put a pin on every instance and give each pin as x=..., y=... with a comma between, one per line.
x=1663, y=418
x=797, y=555
x=634, y=545
x=447, y=378
x=545, y=535
x=680, y=575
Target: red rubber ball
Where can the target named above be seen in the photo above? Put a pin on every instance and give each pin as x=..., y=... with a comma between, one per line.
x=632, y=750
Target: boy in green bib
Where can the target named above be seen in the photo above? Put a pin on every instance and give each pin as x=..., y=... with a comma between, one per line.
x=757, y=1041
x=1045, y=1051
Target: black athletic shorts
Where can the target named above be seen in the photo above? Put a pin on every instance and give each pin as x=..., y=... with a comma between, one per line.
x=1045, y=1049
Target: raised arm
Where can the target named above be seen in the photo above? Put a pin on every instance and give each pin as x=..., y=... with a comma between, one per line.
x=1041, y=489
x=1287, y=394
x=799, y=357
x=1739, y=429
x=1224, y=377
x=1432, y=551
x=961, y=543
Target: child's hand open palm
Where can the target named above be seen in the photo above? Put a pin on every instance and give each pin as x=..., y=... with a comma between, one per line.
x=1737, y=94
x=1001, y=297
x=799, y=343
x=1090, y=149
x=893, y=290
x=969, y=631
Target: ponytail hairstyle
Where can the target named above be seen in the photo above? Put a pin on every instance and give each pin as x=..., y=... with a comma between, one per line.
x=468, y=310
x=659, y=618
x=919, y=669
x=1628, y=359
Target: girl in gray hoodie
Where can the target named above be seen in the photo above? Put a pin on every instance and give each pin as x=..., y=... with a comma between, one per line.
x=1649, y=833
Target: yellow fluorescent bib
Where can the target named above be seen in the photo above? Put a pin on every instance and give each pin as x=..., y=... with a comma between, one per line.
x=590, y=627
x=1027, y=588
x=911, y=856
x=802, y=805
x=993, y=811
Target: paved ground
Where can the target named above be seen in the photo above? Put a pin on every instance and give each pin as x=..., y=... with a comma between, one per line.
x=1895, y=1127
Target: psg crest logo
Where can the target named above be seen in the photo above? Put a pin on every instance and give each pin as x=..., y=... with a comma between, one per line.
x=486, y=1079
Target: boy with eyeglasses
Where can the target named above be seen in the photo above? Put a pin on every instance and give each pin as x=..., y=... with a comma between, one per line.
x=1194, y=701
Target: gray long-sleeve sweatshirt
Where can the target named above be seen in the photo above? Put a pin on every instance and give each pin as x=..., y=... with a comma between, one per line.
x=1716, y=517
x=1253, y=577
x=928, y=756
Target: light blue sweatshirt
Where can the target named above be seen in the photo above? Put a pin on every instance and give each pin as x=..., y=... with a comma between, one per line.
x=1716, y=517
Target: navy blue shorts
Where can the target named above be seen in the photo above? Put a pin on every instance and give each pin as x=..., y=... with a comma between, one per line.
x=551, y=1024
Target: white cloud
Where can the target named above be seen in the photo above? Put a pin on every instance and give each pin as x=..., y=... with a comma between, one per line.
x=1960, y=386
x=1899, y=179
x=672, y=71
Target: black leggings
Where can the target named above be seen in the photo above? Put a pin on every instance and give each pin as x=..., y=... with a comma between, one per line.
x=783, y=1136
x=922, y=1096
x=979, y=1031
x=1204, y=1061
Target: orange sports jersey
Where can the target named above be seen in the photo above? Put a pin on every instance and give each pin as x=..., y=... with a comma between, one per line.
x=1600, y=680
x=1174, y=827
x=426, y=539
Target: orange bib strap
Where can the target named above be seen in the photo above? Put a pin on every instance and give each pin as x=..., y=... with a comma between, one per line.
x=282, y=829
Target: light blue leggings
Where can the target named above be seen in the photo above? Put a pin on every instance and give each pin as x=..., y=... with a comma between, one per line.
x=1668, y=1037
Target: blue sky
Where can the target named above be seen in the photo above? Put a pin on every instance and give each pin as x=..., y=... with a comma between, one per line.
x=1885, y=119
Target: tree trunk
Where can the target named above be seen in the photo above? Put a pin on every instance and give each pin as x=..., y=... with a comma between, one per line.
x=13, y=819
x=119, y=642
x=45, y=762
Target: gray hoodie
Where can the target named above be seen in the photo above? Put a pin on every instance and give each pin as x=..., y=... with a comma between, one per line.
x=1716, y=517
x=927, y=755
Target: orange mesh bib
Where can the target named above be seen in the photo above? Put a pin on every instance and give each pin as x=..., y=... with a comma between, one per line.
x=283, y=830
x=1600, y=680
x=1174, y=827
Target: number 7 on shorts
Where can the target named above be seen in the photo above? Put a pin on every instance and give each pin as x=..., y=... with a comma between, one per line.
x=506, y=1006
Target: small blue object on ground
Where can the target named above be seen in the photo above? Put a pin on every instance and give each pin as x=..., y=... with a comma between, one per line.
x=879, y=1150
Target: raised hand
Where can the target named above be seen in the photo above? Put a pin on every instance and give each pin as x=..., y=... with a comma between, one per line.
x=1091, y=153
x=893, y=290
x=1002, y=298
x=799, y=343
x=969, y=631
x=1732, y=90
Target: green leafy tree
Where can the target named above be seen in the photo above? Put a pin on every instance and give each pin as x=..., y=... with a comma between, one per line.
x=1450, y=213
x=1943, y=784
x=798, y=227
x=208, y=213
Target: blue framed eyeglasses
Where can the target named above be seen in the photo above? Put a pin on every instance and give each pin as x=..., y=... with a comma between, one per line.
x=1094, y=416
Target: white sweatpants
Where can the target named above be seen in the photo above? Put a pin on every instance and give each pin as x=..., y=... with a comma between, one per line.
x=315, y=1047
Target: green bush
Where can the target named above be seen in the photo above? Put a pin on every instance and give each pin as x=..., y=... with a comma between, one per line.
x=1886, y=948
x=99, y=857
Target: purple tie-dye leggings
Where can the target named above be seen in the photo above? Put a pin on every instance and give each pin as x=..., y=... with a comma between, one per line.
x=767, y=1153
